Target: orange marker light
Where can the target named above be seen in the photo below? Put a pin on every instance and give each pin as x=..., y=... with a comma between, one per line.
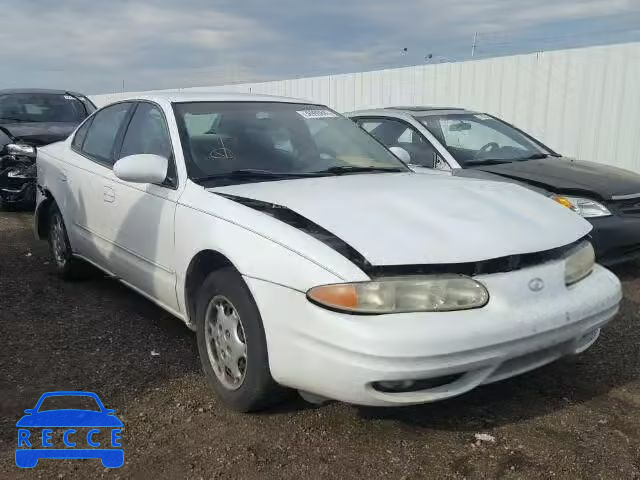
x=343, y=296
x=564, y=202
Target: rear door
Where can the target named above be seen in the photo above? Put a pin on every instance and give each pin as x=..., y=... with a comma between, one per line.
x=87, y=176
x=140, y=216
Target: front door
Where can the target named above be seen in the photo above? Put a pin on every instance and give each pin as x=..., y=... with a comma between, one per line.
x=141, y=215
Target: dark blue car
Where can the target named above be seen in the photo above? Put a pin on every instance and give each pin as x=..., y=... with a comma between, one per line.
x=32, y=447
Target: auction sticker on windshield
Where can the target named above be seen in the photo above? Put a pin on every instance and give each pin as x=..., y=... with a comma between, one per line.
x=319, y=113
x=69, y=425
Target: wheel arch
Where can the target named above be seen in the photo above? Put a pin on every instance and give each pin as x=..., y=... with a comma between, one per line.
x=200, y=266
x=41, y=217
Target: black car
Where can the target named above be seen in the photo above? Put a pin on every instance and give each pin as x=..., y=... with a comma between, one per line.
x=30, y=118
x=473, y=144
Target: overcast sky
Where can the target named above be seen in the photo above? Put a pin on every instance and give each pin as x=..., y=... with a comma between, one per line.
x=93, y=46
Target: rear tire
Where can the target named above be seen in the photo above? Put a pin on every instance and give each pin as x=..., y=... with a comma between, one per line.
x=67, y=266
x=232, y=344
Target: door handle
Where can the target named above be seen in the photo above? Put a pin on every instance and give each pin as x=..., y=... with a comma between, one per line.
x=109, y=195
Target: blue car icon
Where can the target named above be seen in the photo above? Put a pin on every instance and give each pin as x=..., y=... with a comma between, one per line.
x=34, y=445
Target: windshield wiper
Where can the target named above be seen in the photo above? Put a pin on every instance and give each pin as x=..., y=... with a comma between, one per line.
x=341, y=170
x=488, y=161
x=253, y=173
x=538, y=156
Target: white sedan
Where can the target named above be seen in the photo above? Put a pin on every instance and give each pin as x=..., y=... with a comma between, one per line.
x=305, y=255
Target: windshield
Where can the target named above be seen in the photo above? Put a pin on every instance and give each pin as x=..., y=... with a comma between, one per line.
x=474, y=138
x=43, y=107
x=275, y=139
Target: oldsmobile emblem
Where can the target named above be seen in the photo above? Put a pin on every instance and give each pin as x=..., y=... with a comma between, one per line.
x=536, y=285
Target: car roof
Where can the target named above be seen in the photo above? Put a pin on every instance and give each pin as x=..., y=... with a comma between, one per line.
x=179, y=97
x=422, y=108
x=411, y=111
x=9, y=91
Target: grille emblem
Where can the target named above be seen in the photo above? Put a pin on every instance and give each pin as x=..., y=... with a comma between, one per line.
x=536, y=285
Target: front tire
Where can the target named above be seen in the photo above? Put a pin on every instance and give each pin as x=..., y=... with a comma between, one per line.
x=67, y=266
x=232, y=344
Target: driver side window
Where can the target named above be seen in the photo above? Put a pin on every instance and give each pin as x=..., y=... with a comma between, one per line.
x=475, y=136
x=396, y=133
x=148, y=133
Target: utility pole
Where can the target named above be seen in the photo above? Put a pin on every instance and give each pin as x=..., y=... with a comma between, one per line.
x=475, y=43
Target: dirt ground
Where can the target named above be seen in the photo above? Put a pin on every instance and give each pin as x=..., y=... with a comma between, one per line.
x=572, y=419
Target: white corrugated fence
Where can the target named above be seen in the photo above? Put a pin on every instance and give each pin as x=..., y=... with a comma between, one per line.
x=583, y=102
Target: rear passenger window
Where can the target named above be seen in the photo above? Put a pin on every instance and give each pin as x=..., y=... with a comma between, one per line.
x=102, y=133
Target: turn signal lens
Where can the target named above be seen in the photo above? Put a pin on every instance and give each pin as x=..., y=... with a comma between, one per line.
x=344, y=296
x=564, y=201
x=432, y=293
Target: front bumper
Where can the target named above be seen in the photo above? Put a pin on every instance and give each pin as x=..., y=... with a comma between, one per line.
x=616, y=238
x=341, y=356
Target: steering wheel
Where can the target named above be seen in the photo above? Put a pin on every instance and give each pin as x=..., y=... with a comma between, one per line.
x=488, y=148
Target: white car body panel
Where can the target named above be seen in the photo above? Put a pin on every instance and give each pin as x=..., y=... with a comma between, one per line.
x=148, y=235
x=342, y=354
x=279, y=253
x=360, y=208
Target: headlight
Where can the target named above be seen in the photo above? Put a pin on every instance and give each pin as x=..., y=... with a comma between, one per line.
x=21, y=150
x=430, y=293
x=579, y=263
x=15, y=173
x=583, y=206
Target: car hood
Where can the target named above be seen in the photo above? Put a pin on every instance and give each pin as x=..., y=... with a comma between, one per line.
x=409, y=218
x=564, y=175
x=39, y=133
x=69, y=418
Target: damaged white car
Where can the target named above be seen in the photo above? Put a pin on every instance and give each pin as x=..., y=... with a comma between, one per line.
x=307, y=257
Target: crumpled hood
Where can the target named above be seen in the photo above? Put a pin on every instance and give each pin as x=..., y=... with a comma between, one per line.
x=39, y=133
x=409, y=219
x=564, y=175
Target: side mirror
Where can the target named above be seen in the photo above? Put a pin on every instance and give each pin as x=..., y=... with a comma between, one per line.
x=401, y=153
x=109, y=411
x=29, y=411
x=142, y=168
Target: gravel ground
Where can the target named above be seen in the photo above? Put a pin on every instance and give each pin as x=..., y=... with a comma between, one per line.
x=572, y=419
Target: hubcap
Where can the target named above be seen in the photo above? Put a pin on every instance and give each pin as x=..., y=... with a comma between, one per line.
x=58, y=244
x=226, y=342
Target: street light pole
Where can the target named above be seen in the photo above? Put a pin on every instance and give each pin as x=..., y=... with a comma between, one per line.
x=475, y=43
